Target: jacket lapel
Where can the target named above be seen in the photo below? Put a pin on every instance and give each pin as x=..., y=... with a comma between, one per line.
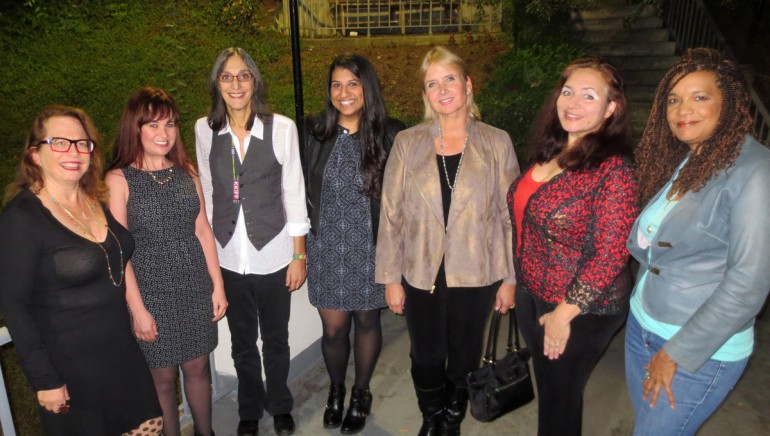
x=471, y=175
x=425, y=172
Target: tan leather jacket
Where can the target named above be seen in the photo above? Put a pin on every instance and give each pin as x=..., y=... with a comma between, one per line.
x=477, y=243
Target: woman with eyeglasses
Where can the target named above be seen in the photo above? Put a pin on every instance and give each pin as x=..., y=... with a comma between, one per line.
x=62, y=288
x=174, y=285
x=249, y=166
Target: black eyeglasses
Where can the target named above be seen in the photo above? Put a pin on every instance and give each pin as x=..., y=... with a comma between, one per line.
x=242, y=77
x=63, y=145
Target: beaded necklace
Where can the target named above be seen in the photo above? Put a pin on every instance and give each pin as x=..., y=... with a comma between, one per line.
x=162, y=180
x=87, y=231
x=443, y=160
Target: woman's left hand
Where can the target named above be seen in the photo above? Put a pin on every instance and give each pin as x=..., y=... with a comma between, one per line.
x=557, y=329
x=220, y=304
x=659, y=373
x=504, y=300
x=296, y=274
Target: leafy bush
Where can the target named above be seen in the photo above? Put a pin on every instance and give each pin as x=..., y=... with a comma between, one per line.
x=519, y=87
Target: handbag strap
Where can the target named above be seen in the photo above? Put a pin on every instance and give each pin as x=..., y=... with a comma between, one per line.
x=494, y=326
x=513, y=332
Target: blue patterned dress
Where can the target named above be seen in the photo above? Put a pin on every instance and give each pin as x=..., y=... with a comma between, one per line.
x=341, y=256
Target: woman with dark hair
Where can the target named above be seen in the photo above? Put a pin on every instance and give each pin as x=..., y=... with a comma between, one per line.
x=444, y=243
x=62, y=289
x=346, y=148
x=571, y=211
x=703, y=245
x=174, y=287
x=249, y=165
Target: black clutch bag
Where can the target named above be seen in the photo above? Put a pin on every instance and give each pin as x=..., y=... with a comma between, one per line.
x=500, y=385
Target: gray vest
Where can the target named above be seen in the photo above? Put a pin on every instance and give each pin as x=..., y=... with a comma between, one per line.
x=260, y=189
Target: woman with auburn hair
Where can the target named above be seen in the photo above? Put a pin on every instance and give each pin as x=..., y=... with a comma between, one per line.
x=346, y=148
x=572, y=209
x=174, y=287
x=62, y=289
x=444, y=243
x=703, y=245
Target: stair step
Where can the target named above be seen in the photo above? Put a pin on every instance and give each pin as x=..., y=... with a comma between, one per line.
x=634, y=49
x=614, y=11
x=625, y=35
x=630, y=63
x=642, y=77
x=640, y=93
x=618, y=23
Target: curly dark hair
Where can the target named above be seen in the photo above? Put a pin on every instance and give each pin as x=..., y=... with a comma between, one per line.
x=660, y=152
x=549, y=139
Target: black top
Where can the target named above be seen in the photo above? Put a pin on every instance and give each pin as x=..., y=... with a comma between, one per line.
x=70, y=323
x=452, y=164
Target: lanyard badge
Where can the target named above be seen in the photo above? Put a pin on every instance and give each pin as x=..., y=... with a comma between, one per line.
x=236, y=181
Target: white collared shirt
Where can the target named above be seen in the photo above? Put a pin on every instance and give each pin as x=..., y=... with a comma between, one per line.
x=240, y=255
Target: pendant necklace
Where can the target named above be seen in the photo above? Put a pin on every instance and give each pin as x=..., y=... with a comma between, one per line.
x=94, y=239
x=443, y=160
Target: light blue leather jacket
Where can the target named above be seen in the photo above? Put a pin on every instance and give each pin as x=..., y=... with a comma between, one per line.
x=709, y=263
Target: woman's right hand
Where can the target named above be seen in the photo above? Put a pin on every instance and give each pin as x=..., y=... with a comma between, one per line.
x=53, y=399
x=395, y=296
x=144, y=326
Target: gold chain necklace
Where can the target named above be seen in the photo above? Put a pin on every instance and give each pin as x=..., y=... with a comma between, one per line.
x=95, y=240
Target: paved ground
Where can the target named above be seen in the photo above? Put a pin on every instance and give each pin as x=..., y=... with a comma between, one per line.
x=607, y=411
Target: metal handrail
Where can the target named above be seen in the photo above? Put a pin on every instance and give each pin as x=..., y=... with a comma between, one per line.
x=218, y=384
x=690, y=25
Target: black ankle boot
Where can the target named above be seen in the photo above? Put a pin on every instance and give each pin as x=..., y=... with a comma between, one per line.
x=360, y=406
x=334, y=406
x=431, y=403
x=454, y=412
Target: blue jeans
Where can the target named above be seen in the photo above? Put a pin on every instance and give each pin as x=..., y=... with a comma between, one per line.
x=697, y=394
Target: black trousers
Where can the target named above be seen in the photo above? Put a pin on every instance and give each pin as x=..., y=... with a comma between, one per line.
x=446, y=329
x=259, y=304
x=561, y=382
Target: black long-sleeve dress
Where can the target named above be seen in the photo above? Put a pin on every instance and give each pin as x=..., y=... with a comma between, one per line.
x=70, y=323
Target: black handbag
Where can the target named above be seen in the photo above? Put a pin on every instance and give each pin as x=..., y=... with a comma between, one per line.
x=501, y=385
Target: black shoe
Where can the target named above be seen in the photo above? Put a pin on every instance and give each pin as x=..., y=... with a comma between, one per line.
x=200, y=434
x=360, y=407
x=334, y=406
x=431, y=403
x=283, y=424
x=248, y=428
x=454, y=412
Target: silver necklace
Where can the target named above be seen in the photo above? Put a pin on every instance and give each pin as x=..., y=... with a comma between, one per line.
x=87, y=231
x=443, y=160
x=162, y=180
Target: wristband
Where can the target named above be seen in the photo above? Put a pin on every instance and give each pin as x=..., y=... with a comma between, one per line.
x=297, y=256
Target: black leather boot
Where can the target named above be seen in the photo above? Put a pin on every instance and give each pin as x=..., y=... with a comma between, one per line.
x=454, y=412
x=334, y=406
x=431, y=403
x=360, y=406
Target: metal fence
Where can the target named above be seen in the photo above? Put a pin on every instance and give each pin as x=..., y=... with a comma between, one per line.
x=395, y=17
x=221, y=384
x=691, y=25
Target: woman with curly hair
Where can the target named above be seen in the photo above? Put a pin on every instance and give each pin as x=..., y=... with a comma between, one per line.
x=571, y=211
x=702, y=244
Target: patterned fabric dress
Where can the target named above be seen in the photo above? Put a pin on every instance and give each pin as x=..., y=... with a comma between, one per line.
x=170, y=266
x=341, y=256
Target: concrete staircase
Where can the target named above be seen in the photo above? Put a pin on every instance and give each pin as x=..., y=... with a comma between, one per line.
x=640, y=49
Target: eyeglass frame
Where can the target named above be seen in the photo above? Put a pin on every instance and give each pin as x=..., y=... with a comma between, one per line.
x=234, y=77
x=72, y=142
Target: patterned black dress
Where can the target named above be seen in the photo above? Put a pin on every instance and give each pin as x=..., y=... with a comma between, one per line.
x=341, y=256
x=170, y=266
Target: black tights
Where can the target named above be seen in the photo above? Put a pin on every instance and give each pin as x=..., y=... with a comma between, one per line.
x=197, y=386
x=335, y=343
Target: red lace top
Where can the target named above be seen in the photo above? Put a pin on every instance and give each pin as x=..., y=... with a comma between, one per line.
x=573, y=234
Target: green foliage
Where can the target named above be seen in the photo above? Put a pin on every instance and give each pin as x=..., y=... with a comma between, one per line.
x=518, y=88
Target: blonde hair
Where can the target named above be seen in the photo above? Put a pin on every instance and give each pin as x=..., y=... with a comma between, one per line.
x=442, y=55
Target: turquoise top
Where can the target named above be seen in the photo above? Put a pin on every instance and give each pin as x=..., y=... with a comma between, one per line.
x=739, y=346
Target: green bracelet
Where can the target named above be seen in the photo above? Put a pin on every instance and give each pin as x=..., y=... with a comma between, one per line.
x=297, y=256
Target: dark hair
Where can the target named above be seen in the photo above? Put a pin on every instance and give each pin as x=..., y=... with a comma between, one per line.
x=144, y=106
x=218, y=111
x=30, y=175
x=371, y=125
x=549, y=139
x=660, y=152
